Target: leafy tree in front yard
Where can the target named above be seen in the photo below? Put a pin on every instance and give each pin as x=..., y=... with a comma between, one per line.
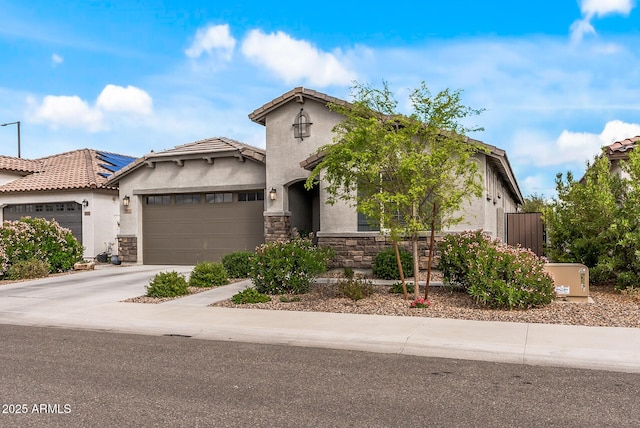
x=408, y=173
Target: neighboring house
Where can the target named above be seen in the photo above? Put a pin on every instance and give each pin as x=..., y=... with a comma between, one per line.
x=202, y=200
x=619, y=151
x=68, y=187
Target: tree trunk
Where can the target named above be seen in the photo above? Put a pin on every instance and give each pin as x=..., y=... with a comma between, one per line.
x=404, y=285
x=416, y=266
x=431, y=242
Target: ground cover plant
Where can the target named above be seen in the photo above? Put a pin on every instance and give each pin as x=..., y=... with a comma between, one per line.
x=249, y=295
x=38, y=239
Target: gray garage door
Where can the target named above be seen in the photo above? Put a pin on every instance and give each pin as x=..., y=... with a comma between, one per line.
x=185, y=229
x=67, y=214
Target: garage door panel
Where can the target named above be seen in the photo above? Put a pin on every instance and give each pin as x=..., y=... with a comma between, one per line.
x=192, y=233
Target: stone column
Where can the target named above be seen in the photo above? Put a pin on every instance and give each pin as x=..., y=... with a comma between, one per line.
x=277, y=227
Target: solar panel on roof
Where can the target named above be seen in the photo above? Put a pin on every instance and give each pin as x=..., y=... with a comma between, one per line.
x=114, y=162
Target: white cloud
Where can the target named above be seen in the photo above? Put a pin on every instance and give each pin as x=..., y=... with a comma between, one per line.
x=126, y=100
x=74, y=112
x=597, y=8
x=602, y=8
x=569, y=147
x=67, y=111
x=56, y=59
x=295, y=60
x=215, y=40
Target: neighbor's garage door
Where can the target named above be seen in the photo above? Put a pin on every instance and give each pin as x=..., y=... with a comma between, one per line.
x=67, y=214
x=185, y=229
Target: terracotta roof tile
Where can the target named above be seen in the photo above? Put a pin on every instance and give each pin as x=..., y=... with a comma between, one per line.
x=619, y=148
x=78, y=169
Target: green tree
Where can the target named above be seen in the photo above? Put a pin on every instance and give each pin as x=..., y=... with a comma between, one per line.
x=579, y=221
x=533, y=203
x=409, y=173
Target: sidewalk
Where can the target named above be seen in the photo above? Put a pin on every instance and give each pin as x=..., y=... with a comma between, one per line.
x=534, y=344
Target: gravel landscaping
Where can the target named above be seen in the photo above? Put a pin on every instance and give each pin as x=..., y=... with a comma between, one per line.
x=610, y=307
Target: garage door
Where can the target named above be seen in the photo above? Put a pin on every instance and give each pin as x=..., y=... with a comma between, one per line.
x=67, y=214
x=185, y=229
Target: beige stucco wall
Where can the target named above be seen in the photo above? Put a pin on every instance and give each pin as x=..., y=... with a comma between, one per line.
x=193, y=176
x=8, y=177
x=99, y=217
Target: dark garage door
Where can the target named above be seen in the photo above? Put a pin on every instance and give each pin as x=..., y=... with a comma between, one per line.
x=185, y=229
x=67, y=214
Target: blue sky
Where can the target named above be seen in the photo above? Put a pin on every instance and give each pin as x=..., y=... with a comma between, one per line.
x=557, y=79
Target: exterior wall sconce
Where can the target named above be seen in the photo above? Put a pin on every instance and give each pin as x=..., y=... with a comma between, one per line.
x=126, y=200
x=273, y=194
x=85, y=203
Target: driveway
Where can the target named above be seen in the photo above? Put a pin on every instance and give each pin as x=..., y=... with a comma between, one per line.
x=79, y=290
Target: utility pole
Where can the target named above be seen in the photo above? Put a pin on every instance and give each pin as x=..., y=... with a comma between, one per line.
x=15, y=123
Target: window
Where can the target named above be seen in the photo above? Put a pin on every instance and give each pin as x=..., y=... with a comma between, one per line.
x=48, y=208
x=59, y=207
x=302, y=125
x=251, y=196
x=218, y=198
x=39, y=208
x=158, y=200
x=187, y=199
x=71, y=206
x=365, y=224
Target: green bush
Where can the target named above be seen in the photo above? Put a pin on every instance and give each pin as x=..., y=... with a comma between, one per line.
x=355, y=289
x=396, y=287
x=287, y=267
x=28, y=269
x=495, y=274
x=208, y=274
x=40, y=239
x=167, y=284
x=627, y=280
x=385, y=265
x=601, y=273
x=250, y=295
x=237, y=264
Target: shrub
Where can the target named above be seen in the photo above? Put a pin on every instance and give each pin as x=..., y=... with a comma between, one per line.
x=237, y=264
x=28, y=269
x=287, y=267
x=250, y=295
x=627, y=280
x=495, y=274
x=396, y=287
x=37, y=238
x=208, y=274
x=455, y=251
x=167, y=284
x=355, y=289
x=385, y=265
x=601, y=273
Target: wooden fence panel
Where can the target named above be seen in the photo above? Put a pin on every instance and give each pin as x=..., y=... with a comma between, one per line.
x=527, y=230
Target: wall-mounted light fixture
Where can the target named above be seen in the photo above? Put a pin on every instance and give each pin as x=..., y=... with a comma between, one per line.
x=126, y=200
x=273, y=194
x=85, y=203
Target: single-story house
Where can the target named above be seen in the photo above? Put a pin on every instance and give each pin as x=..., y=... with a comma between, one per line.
x=204, y=199
x=68, y=187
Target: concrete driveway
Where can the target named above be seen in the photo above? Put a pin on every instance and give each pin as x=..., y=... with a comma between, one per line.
x=79, y=290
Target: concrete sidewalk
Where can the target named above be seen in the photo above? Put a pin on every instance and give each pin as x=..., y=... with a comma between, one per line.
x=536, y=344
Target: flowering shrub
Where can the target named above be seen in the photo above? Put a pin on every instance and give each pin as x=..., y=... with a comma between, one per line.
x=420, y=302
x=39, y=239
x=287, y=267
x=495, y=274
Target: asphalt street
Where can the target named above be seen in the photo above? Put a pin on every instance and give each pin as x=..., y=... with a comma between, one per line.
x=75, y=378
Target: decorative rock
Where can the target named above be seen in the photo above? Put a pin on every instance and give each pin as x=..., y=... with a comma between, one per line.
x=84, y=266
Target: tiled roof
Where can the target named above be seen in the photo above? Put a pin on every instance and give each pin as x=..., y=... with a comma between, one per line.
x=78, y=169
x=206, y=149
x=619, y=149
x=297, y=94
